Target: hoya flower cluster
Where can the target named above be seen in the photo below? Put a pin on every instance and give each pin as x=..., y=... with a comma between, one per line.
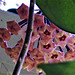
x=51, y=41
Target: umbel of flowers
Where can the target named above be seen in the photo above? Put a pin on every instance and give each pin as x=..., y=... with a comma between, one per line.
x=54, y=45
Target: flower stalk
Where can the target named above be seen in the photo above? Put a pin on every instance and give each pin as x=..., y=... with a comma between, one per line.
x=24, y=50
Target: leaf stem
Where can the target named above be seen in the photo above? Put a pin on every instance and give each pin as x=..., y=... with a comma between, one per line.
x=60, y=49
x=24, y=50
x=23, y=22
x=67, y=48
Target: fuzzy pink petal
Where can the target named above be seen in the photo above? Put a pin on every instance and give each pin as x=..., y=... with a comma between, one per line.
x=13, y=27
x=61, y=38
x=23, y=11
x=55, y=27
x=38, y=20
x=71, y=42
x=4, y=34
x=35, y=36
x=46, y=32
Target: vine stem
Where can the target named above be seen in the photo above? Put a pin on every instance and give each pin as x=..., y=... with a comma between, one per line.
x=24, y=50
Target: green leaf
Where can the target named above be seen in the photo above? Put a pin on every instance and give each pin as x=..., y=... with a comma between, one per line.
x=2, y=74
x=64, y=68
x=60, y=12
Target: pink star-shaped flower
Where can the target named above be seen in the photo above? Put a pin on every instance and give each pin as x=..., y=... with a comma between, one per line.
x=4, y=34
x=8, y=51
x=27, y=62
x=54, y=27
x=31, y=67
x=15, y=52
x=38, y=57
x=38, y=20
x=56, y=56
x=71, y=42
x=60, y=38
x=46, y=48
x=46, y=32
x=22, y=30
x=3, y=44
x=70, y=55
x=23, y=11
x=36, y=54
x=35, y=36
x=13, y=27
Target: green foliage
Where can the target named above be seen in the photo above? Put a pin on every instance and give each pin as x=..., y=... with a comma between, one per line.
x=2, y=74
x=60, y=12
x=64, y=68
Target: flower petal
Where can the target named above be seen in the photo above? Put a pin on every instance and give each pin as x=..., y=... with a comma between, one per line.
x=13, y=27
x=23, y=11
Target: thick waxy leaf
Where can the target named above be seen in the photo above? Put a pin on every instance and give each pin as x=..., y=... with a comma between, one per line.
x=65, y=68
x=60, y=12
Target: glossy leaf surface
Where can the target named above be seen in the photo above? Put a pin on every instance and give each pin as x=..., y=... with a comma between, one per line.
x=59, y=12
x=65, y=68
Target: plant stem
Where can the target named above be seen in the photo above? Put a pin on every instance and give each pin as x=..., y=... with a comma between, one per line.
x=67, y=48
x=40, y=73
x=24, y=50
x=25, y=21
x=60, y=49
